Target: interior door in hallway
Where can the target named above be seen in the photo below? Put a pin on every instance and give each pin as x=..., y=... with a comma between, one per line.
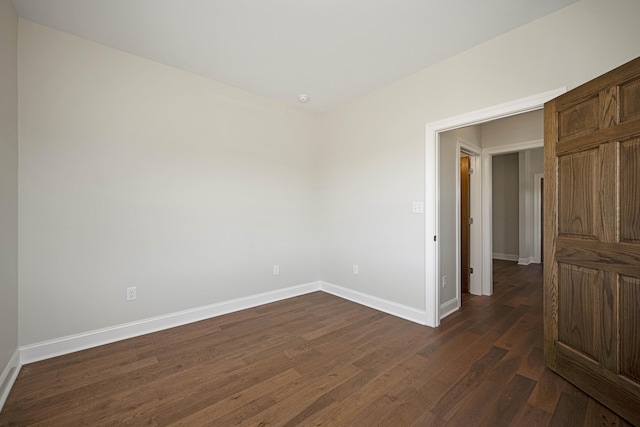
x=465, y=232
x=592, y=238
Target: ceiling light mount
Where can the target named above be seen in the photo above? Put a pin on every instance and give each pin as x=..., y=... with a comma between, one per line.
x=303, y=98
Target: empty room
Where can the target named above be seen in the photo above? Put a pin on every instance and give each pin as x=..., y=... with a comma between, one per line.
x=223, y=212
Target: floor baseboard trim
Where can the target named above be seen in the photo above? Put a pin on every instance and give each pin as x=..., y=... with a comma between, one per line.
x=8, y=377
x=505, y=257
x=448, y=307
x=389, y=307
x=72, y=343
x=69, y=344
x=525, y=261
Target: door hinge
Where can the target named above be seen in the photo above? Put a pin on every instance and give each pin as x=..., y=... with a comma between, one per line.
x=434, y=238
x=470, y=221
x=470, y=270
x=470, y=171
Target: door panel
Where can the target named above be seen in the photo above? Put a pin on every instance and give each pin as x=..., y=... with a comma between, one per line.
x=577, y=187
x=579, y=304
x=630, y=100
x=629, y=339
x=630, y=191
x=592, y=238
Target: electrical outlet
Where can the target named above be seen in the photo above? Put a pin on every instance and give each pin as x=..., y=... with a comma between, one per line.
x=444, y=281
x=131, y=293
x=356, y=269
x=276, y=270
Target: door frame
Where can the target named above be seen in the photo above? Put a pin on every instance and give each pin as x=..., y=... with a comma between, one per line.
x=487, y=202
x=432, y=193
x=475, y=235
x=474, y=154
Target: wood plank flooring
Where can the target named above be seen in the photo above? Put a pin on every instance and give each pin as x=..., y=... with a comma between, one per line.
x=319, y=360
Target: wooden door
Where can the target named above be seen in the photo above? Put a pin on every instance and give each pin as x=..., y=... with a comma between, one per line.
x=465, y=214
x=592, y=238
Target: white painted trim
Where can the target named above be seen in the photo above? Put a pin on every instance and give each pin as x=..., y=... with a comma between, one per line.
x=432, y=226
x=449, y=307
x=505, y=257
x=525, y=260
x=390, y=307
x=458, y=281
x=525, y=221
x=433, y=129
x=487, y=224
x=514, y=148
x=487, y=203
x=69, y=344
x=8, y=377
x=477, y=233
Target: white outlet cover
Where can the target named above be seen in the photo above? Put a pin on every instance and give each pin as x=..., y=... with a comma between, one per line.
x=276, y=270
x=356, y=269
x=417, y=207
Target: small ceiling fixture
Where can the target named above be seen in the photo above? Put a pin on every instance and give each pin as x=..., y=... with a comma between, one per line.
x=303, y=98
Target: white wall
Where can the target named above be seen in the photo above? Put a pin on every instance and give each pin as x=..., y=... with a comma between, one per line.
x=8, y=184
x=521, y=128
x=372, y=150
x=136, y=174
x=505, y=211
x=133, y=173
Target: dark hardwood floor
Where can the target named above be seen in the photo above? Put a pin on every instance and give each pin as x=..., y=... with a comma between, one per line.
x=320, y=360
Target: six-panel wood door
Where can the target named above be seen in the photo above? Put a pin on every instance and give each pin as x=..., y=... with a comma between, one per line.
x=592, y=238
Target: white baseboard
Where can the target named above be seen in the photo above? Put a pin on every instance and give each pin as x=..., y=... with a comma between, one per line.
x=8, y=377
x=525, y=261
x=69, y=344
x=449, y=307
x=390, y=307
x=72, y=343
x=505, y=257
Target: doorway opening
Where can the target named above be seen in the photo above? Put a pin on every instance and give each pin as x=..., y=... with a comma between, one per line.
x=468, y=209
x=459, y=207
x=435, y=307
x=465, y=223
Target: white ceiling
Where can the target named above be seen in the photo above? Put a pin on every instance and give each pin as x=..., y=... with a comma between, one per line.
x=332, y=50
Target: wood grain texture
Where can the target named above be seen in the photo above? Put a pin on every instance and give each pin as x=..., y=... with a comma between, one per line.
x=594, y=268
x=609, y=107
x=578, y=308
x=580, y=118
x=608, y=214
x=322, y=361
x=577, y=194
x=618, y=258
x=550, y=231
x=630, y=100
x=630, y=328
x=630, y=191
